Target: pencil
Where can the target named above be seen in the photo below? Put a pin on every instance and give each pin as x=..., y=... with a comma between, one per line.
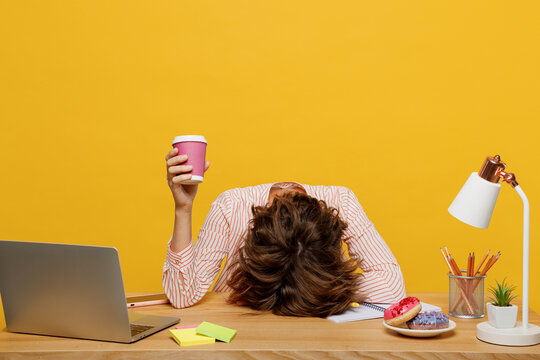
x=472, y=265
x=481, y=263
x=457, y=272
x=446, y=252
x=454, y=269
x=446, y=260
x=487, y=266
x=474, y=285
x=493, y=262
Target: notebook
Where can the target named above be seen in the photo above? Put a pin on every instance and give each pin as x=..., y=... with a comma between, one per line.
x=368, y=311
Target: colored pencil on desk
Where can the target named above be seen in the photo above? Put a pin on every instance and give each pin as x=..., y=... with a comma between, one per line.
x=481, y=263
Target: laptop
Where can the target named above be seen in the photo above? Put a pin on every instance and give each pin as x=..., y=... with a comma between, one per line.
x=71, y=291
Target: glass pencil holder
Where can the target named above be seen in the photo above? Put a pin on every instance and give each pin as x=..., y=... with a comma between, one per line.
x=466, y=296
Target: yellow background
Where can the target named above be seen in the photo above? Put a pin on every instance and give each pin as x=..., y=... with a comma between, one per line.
x=398, y=100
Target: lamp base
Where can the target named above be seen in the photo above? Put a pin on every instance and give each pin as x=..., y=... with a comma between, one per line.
x=516, y=336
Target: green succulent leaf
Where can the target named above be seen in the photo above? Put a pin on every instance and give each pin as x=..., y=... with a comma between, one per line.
x=502, y=293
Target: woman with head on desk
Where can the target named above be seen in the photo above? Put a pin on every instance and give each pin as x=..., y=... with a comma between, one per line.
x=283, y=245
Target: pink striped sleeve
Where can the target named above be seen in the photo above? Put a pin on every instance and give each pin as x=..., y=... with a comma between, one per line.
x=382, y=280
x=187, y=275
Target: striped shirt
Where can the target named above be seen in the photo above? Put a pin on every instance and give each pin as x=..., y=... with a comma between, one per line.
x=188, y=274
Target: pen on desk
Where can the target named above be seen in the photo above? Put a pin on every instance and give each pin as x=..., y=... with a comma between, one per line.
x=148, y=303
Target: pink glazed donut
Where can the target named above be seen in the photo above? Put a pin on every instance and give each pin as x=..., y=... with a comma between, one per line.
x=402, y=311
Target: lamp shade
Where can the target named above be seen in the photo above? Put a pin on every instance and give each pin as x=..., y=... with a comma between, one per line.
x=475, y=202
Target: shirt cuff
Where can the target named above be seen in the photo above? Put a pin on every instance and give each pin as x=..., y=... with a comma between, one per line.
x=181, y=259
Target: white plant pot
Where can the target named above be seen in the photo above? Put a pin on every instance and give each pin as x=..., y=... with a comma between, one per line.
x=502, y=317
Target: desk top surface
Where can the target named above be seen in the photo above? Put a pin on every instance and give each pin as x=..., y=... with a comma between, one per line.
x=268, y=336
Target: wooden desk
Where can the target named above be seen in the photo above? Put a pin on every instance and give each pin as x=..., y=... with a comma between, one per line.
x=273, y=337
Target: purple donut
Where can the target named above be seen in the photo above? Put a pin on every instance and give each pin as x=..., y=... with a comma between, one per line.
x=428, y=321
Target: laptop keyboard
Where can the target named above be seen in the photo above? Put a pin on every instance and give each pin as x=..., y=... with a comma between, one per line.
x=137, y=329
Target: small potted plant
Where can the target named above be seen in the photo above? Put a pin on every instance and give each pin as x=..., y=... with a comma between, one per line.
x=502, y=314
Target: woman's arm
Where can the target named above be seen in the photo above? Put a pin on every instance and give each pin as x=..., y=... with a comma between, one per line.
x=178, y=269
x=188, y=274
x=182, y=230
x=382, y=280
x=184, y=196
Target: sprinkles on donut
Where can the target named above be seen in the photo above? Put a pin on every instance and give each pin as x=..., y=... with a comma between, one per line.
x=429, y=321
x=402, y=311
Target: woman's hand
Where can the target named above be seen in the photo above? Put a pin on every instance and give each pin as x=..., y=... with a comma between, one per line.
x=176, y=173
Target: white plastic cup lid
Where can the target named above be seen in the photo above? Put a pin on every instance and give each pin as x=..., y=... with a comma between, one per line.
x=184, y=138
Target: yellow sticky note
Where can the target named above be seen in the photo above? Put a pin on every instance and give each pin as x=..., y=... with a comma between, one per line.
x=187, y=337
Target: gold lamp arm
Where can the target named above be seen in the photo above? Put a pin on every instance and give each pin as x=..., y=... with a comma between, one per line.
x=509, y=178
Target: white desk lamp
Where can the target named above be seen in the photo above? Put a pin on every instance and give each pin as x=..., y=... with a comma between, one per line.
x=474, y=205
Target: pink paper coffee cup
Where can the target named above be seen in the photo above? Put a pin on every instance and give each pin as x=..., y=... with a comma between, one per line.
x=195, y=148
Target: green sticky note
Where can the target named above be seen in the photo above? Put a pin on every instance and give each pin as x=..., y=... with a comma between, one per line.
x=218, y=332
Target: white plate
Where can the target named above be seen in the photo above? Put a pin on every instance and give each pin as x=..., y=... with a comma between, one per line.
x=421, y=333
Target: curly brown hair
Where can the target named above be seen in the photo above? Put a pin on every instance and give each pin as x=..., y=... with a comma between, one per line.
x=292, y=261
